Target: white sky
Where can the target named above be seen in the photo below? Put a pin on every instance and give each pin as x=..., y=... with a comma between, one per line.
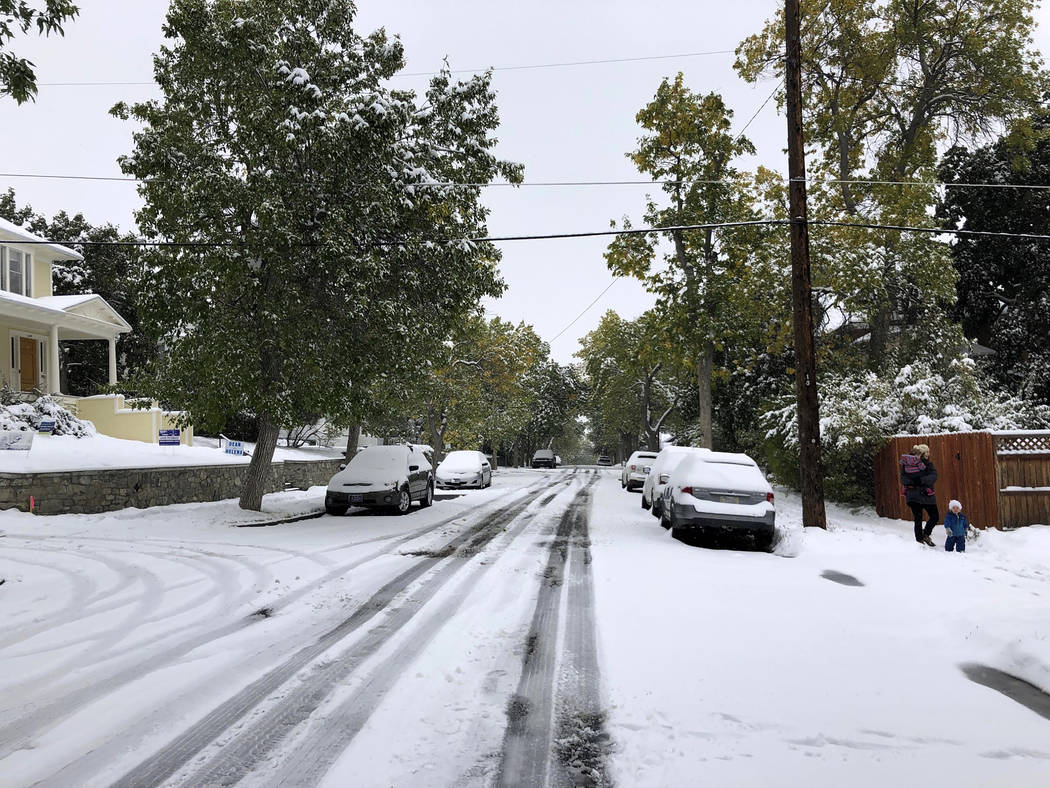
x=569, y=123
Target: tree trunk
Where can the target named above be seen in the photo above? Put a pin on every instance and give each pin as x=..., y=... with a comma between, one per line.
x=704, y=368
x=353, y=437
x=260, y=470
x=435, y=428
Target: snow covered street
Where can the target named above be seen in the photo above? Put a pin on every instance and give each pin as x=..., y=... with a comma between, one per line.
x=544, y=631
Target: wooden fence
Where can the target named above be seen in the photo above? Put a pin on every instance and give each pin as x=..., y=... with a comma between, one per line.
x=1002, y=478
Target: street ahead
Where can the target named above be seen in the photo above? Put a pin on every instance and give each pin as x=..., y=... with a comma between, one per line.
x=545, y=631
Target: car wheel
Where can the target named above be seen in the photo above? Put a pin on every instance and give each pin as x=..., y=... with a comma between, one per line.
x=334, y=509
x=655, y=510
x=428, y=497
x=404, y=501
x=645, y=503
x=623, y=484
x=666, y=520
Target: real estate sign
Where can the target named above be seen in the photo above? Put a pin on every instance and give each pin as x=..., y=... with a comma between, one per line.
x=16, y=440
x=169, y=437
x=46, y=427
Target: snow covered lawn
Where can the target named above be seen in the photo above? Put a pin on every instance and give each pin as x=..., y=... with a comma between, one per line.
x=748, y=668
x=66, y=453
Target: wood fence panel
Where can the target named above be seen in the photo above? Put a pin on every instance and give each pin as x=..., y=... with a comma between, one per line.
x=966, y=470
x=1030, y=472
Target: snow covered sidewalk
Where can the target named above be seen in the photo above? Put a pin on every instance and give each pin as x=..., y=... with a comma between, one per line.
x=836, y=665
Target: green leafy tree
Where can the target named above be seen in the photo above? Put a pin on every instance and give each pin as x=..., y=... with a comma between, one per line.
x=17, y=75
x=886, y=85
x=689, y=145
x=1004, y=283
x=329, y=258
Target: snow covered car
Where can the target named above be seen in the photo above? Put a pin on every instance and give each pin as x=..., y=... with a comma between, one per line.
x=666, y=461
x=719, y=492
x=544, y=458
x=605, y=459
x=384, y=477
x=636, y=469
x=464, y=469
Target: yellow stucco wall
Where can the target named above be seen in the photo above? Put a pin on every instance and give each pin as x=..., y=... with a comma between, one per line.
x=110, y=417
x=42, y=278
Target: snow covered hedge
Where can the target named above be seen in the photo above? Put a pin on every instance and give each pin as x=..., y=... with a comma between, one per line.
x=858, y=411
x=26, y=416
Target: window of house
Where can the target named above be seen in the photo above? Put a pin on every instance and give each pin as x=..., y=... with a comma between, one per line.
x=16, y=271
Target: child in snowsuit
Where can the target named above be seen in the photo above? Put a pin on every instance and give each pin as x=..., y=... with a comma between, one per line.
x=955, y=523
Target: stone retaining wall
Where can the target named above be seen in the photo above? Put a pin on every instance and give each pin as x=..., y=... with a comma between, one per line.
x=91, y=491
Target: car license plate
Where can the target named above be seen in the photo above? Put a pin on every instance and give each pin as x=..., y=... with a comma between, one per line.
x=355, y=499
x=727, y=499
x=645, y=469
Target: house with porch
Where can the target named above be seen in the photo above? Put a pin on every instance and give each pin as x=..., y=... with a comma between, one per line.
x=33, y=320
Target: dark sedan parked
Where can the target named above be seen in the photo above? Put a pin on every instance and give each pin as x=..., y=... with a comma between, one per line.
x=388, y=477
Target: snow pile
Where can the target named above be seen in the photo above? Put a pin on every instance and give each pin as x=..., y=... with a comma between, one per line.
x=26, y=417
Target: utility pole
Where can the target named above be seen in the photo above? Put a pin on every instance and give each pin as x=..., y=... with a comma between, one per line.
x=811, y=469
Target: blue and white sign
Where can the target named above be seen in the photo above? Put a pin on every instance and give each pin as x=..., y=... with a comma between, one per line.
x=46, y=427
x=235, y=447
x=16, y=440
x=169, y=437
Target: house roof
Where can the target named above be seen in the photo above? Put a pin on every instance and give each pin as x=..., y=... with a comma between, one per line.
x=81, y=316
x=57, y=251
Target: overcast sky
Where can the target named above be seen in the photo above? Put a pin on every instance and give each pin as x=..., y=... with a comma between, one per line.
x=567, y=123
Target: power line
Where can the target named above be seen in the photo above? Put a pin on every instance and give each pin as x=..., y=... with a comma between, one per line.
x=587, y=308
x=562, y=236
x=528, y=67
x=589, y=183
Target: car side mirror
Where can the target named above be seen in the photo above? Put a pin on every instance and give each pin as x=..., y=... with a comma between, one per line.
x=342, y=466
x=413, y=467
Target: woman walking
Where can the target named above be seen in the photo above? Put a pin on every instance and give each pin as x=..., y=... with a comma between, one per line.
x=919, y=475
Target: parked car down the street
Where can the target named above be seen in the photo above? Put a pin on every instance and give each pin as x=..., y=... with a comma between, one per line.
x=464, y=469
x=605, y=459
x=386, y=477
x=719, y=492
x=636, y=469
x=667, y=460
x=544, y=458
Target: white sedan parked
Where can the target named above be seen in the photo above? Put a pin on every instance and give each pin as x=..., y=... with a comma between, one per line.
x=636, y=469
x=659, y=472
x=464, y=469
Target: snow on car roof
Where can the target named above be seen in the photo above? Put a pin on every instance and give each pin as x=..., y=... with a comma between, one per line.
x=379, y=457
x=731, y=458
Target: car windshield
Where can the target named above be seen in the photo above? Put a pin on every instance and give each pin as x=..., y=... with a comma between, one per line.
x=378, y=458
x=461, y=461
x=547, y=453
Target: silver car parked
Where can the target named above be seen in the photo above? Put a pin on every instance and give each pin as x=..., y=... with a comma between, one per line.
x=659, y=472
x=719, y=493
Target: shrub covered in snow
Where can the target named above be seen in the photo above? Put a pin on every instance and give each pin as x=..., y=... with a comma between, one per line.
x=26, y=416
x=858, y=411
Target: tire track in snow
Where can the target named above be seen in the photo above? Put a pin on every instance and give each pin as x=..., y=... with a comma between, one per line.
x=19, y=732
x=581, y=743
x=172, y=757
x=311, y=759
x=526, y=744
x=529, y=746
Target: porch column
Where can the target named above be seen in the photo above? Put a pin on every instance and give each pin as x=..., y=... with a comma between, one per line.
x=54, y=374
x=112, y=361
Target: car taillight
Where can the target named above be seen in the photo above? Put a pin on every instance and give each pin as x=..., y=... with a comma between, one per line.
x=769, y=497
x=687, y=490
x=664, y=477
x=632, y=467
